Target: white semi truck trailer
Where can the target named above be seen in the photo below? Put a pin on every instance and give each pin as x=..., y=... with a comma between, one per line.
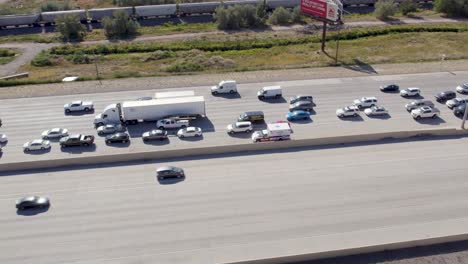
x=132, y=112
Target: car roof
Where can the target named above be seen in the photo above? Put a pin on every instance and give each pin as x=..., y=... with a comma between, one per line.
x=369, y=98
x=253, y=113
x=191, y=128
x=247, y=123
x=120, y=134
x=55, y=130
x=413, y=88
x=36, y=141
x=302, y=102
x=76, y=102
x=170, y=168
x=300, y=112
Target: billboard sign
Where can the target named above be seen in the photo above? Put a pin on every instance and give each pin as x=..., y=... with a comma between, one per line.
x=320, y=8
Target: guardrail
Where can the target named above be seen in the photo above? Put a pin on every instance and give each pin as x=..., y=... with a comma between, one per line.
x=224, y=149
x=15, y=76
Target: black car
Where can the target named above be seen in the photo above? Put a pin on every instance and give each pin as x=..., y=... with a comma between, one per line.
x=155, y=134
x=444, y=96
x=459, y=110
x=301, y=105
x=32, y=202
x=389, y=88
x=169, y=172
x=118, y=137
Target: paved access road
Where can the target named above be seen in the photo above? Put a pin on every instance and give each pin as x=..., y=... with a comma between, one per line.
x=24, y=119
x=234, y=208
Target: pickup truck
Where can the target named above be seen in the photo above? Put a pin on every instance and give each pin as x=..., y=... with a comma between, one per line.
x=425, y=112
x=171, y=123
x=78, y=106
x=77, y=140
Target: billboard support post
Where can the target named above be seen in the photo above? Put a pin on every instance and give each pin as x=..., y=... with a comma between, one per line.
x=337, y=46
x=324, y=35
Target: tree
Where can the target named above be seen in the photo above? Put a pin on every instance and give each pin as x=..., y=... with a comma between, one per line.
x=120, y=25
x=384, y=9
x=452, y=7
x=235, y=17
x=221, y=16
x=296, y=15
x=408, y=6
x=70, y=28
x=261, y=9
x=280, y=16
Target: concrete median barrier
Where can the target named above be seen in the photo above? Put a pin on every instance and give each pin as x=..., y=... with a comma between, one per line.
x=224, y=149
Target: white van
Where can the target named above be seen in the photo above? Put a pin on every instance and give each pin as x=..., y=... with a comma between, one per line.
x=269, y=92
x=223, y=87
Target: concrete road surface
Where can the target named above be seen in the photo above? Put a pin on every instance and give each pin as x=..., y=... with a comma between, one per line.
x=240, y=207
x=24, y=119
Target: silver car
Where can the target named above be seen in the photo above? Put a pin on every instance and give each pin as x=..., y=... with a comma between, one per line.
x=109, y=129
x=189, y=132
x=55, y=133
x=38, y=144
x=3, y=138
x=418, y=103
x=376, y=110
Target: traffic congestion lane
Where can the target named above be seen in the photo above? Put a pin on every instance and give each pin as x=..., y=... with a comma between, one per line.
x=24, y=119
x=121, y=214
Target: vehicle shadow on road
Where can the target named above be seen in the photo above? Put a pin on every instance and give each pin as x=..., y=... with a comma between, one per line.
x=200, y=138
x=280, y=100
x=79, y=113
x=352, y=118
x=119, y=145
x=37, y=152
x=79, y=150
x=431, y=121
x=30, y=212
x=157, y=142
x=305, y=121
x=382, y=117
x=205, y=124
x=228, y=96
x=411, y=98
x=240, y=135
x=136, y=131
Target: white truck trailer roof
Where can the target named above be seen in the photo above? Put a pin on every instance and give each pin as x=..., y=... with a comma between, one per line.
x=163, y=101
x=163, y=95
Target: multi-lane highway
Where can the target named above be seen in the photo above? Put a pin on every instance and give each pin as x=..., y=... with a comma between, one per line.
x=24, y=119
x=241, y=207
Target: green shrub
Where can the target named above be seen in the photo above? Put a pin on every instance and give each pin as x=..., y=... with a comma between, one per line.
x=236, y=17
x=70, y=28
x=185, y=67
x=384, y=9
x=408, y=6
x=280, y=16
x=6, y=52
x=55, y=6
x=120, y=25
x=42, y=59
x=80, y=58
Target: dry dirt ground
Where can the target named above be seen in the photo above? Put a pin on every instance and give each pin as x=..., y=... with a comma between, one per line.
x=448, y=253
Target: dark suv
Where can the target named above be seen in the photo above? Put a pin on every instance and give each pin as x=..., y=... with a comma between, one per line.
x=459, y=110
x=301, y=105
x=444, y=96
x=389, y=88
x=169, y=172
x=298, y=98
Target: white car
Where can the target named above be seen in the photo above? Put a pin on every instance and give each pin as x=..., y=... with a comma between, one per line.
x=425, y=112
x=38, y=144
x=456, y=102
x=109, y=129
x=411, y=91
x=245, y=127
x=376, y=110
x=3, y=138
x=78, y=106
x=463, y=88
x=55, y=133
x=347, y=111
x=365, y=102
x=189, y=132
